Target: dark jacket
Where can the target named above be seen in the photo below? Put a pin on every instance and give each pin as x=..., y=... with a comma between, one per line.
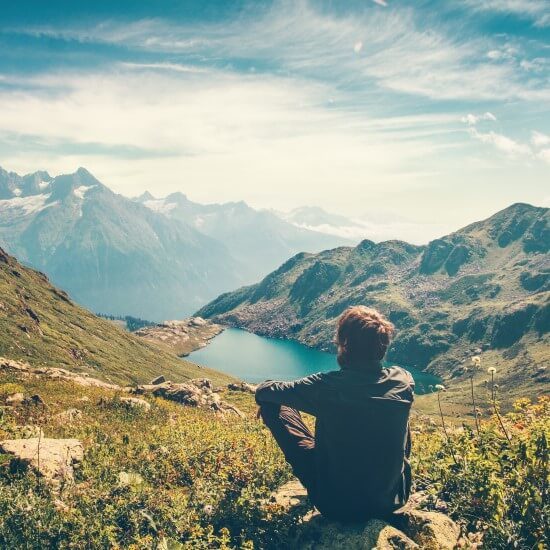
x=362, y=437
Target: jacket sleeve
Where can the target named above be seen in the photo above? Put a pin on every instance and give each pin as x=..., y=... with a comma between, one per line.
x=304, y=394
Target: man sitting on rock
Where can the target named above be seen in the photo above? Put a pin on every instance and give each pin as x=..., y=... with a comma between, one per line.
x=356, y=465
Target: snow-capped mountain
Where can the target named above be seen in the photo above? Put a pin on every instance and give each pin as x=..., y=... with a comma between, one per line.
x=152, y=258
x=259, y=239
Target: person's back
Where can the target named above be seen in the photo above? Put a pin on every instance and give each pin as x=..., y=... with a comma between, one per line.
x=356, y=465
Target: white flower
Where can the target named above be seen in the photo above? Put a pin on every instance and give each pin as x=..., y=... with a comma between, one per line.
x=208, y=509
x=476, y=360
x=491, y=370
x=440, y=387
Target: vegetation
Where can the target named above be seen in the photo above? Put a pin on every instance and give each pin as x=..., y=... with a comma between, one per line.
x=127, y=321
x=39, y=323
x=176, y=476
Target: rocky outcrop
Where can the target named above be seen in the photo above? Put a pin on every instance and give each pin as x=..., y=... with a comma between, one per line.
x=53, y=459
x=53, y=373
x=182, y=337
x=411, y=529
x=196, y=393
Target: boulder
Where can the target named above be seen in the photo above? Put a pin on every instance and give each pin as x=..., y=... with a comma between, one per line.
x=53, y=459
x=242, y=386
x=15, y=399
x=158, y=380
x=409, y=529
x=136, y=403
x=69, y=416
x=195, y=393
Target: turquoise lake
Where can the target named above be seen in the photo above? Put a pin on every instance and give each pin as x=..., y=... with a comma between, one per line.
x=255, y=358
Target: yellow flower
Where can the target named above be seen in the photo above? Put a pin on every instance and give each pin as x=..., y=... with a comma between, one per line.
x=491, y=370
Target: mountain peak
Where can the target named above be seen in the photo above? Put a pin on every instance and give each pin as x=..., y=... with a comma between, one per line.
x=145, y=196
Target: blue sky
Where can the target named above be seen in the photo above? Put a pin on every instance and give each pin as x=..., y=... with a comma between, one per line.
x=433, y=113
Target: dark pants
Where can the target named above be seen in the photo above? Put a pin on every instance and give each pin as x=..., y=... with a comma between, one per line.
x=295, y=440
x=298, y=446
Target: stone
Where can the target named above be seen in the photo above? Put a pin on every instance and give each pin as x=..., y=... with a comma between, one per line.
x=34, y=401
x=15, y=399
x=136, y=403
x=409, y=529
x=158, y=380
x=70, y=415
x=53, y=459
x=242, y=386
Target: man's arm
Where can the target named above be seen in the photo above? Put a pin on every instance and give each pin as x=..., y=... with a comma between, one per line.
x=303, y=394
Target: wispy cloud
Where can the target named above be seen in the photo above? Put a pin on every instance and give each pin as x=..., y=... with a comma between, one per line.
x=537, y=11
x=398, y=50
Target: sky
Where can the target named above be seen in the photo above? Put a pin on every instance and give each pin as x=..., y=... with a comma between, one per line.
x=424, y=114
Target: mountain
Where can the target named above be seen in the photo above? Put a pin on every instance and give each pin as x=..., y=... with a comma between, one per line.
x=259, y=239
x=108, y=252
x=484, y=287
x=151, y=258
x=39, y=323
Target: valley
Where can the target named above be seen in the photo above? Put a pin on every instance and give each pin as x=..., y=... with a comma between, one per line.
x=151, y=258
x=484, y=289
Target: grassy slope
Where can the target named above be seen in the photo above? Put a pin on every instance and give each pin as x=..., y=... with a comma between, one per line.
x=449, y=300
x=66, y=335
x=199, y=472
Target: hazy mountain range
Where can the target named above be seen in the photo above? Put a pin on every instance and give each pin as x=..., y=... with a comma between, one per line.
x=152, y=258
x=484, y=287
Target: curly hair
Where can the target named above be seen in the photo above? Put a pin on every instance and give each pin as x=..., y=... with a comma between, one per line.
x=363, y=334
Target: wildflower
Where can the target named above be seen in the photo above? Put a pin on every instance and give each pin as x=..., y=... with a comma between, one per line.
x=440, y=387
x=476, y=360
x=208, y=509
x=491, y=370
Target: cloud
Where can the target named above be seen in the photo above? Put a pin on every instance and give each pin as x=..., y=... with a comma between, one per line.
x=539, y=139
x=401, y=52
x=472, y=120
x=381, y=2
x=505, y=144
x=536, y=11
x=544, y=155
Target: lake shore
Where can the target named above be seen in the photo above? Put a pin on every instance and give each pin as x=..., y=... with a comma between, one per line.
x=182, y=337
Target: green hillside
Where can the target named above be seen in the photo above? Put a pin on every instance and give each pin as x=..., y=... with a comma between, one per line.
x=483, y=289
x=40, y=324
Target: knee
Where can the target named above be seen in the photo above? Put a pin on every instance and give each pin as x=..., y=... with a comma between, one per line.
x=269, y=412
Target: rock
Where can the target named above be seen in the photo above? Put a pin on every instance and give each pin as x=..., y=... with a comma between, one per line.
x=242, y=386
x=202, y=383
x=136, y=403
x=70, y=415
x=53, y=459
x=195, y=393
x=410, y=528
x=53, y=373
x=158, y=380
x=34, y=401
x=320, y=534
x=15, y=399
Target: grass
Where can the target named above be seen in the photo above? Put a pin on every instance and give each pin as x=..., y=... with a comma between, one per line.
x=40, y=324
x=191, y=479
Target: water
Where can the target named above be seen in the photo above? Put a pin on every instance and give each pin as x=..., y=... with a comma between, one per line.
x=255, y=358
